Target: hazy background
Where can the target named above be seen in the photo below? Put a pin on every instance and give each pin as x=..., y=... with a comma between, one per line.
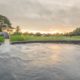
x=42, y=15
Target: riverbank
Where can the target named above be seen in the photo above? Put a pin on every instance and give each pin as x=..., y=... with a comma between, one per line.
x=22, y=39
x=61, y=41
x=27, y=38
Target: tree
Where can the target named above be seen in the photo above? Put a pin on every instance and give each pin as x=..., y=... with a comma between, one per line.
x=75, y=32
x=1, y=26
x=17, y=30
x=38, y=34
x=4, y=22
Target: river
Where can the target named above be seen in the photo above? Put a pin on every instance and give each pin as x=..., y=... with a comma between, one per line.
x=38, y=61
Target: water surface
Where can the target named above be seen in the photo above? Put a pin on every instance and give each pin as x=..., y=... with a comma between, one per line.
x=40, y=62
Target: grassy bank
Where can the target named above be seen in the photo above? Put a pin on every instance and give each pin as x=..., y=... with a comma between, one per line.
x=15, y=38
x=1, y=39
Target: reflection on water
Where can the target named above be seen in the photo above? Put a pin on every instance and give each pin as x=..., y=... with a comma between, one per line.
x=40, y=62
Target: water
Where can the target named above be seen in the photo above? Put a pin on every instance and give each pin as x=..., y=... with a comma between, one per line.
x=39, y=62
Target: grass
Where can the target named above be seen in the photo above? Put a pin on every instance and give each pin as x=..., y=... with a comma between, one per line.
x=15, y=38
x=1, y=39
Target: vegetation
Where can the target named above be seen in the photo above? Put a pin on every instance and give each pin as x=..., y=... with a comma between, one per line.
x=76, y=32
x=75, y=35
x=1, y=39
x=15, y=38
x=4, y=22
x=17, y=30
x=18, y=36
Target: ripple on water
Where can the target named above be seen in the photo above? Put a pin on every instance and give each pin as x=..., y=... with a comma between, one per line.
x=40, y=62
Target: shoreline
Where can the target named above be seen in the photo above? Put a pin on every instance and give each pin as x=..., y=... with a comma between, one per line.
x=60, y=41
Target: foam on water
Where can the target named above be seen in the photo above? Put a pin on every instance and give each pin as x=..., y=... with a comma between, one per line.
x=7, y=41
x=5, y=47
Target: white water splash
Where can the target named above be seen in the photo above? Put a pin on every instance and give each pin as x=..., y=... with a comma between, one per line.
x=5, y=47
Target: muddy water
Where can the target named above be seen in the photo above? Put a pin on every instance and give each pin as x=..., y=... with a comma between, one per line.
x=39, y=62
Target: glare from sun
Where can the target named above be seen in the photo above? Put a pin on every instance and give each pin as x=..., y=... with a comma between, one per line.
x=52, y=32
x=23, y=30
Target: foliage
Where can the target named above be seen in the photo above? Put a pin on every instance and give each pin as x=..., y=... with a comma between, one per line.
x=42, y=38
x=6, y=20
x=17, y=29
x=38, y=34
x=75, y=32
x=1, y=39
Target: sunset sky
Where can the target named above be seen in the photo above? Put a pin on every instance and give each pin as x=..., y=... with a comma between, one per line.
x=42, y=15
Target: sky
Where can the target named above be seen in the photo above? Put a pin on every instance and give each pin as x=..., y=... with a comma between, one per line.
x=42, y=15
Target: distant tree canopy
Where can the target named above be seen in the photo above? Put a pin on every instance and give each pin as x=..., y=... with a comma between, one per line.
x=75, y=32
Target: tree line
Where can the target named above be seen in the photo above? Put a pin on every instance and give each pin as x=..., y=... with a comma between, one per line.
x=6, y=24
x=75, y=32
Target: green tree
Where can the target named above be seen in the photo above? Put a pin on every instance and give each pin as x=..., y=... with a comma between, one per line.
x=1, y=26
x=75, y=32
x=18, y=30
x=38, y=34
x=4, y=22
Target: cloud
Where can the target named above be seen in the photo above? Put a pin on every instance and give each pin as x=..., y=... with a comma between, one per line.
x=42, y=12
